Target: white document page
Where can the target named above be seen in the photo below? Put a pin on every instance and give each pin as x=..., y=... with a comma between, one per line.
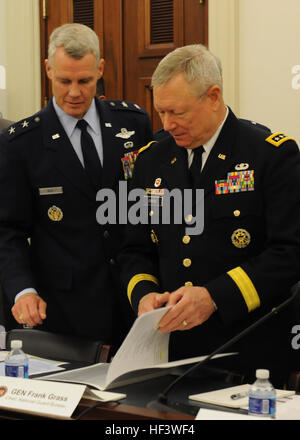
x=143, y=354
x=144, y=346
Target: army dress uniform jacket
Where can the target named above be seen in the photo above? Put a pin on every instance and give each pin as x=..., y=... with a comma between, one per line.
x=46, y=198
x=248, y=255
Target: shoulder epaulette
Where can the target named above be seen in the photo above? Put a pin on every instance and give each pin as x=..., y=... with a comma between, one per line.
x=146, y=147
x=255, y=124
x=124, y=105
x=278, y=138
x=21, y=127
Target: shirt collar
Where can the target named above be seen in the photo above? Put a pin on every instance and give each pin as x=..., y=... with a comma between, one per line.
x=69, y=122
x=208, y=146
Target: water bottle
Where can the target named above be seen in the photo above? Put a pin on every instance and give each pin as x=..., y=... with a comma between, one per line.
x=262, y=396
x=16, y=362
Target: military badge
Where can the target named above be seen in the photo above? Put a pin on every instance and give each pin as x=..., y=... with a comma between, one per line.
x=155, y=196
x=128, y=163
x=240, y=238
x=241, y=166
x=237, y=181
x=125, y=134
x=157, y=182
x=55, y=214
x=128, y=144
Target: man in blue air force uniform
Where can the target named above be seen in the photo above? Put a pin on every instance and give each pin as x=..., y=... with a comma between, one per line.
x=248, y=256
x=57, y=263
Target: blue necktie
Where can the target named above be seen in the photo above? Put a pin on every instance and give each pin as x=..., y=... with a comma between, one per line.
x=91, y=159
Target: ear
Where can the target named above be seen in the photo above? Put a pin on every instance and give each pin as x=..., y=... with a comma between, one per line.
x=215, y=95
x=48, y=69
x=101, y=68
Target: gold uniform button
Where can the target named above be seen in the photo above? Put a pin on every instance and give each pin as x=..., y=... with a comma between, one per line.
x=187, y=262
x=236, y=213
x=188, y=283
x=151, y=213
x=186, y=239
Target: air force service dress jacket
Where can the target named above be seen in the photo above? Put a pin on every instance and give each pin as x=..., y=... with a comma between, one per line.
x=46, y=197
x=248, y=255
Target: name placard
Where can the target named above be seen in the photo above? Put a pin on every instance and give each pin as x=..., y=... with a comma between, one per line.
x=51, y=399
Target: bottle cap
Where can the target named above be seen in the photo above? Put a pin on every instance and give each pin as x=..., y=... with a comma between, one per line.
x=262, y=374
x=16, y=344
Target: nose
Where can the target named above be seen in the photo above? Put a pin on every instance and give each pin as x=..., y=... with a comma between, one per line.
x=74, y=90
x=169, y=122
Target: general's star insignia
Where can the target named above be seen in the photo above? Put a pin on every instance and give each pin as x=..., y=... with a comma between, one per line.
x=25, y=124
x=12, y=130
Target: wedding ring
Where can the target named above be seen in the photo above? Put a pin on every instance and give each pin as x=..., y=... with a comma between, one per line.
x=184, y=323
x=21, y=317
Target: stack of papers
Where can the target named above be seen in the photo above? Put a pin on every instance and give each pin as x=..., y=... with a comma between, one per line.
x=223, y=397
x=35, y=365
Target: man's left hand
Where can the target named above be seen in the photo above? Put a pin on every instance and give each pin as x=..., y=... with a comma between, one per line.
x=192, y=306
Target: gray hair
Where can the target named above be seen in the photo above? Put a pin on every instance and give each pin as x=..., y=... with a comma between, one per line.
x=199, y=66
x=76, y=39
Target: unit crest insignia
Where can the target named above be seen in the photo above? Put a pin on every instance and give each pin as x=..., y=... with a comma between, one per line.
x=240, y=238
x=55, y=214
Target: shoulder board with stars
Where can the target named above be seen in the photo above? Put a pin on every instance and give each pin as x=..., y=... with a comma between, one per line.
x=21, y=127
x=124, y=105
x=278, y=138
x=146, y=147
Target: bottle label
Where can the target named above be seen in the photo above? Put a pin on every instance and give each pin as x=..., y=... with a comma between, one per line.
x=16, y=371
x=262, y=406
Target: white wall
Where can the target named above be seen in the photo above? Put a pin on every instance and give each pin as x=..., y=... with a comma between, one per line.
x=269, y=51
x=3, y=93
x=20, y=52
x=258, y=42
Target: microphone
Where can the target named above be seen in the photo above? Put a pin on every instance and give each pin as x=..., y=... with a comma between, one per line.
x=162, y=403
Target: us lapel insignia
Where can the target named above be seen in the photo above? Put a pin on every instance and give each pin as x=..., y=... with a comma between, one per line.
x=222, y=156
x=125, y=134
x=173, y=160
x=108, y=124
x=55, y=214
x=55, y=136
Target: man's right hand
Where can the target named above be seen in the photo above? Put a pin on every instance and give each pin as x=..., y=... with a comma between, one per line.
x=152, y=301
x=29, y=309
